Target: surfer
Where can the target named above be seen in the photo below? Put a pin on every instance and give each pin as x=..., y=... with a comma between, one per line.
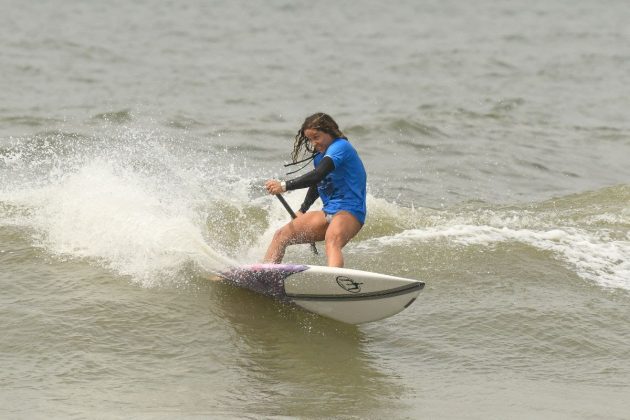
x=339, y=179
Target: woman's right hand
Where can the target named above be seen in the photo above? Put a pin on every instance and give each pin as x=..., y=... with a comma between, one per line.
x=274, y=187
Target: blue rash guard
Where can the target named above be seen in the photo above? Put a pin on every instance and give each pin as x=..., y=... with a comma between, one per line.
x=345, y=187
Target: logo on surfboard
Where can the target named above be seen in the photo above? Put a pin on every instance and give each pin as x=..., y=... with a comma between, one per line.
x=349, y=285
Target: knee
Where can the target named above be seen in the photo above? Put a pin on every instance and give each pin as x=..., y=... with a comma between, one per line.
x=282, y=236
x=279, y=235
x=335, y=240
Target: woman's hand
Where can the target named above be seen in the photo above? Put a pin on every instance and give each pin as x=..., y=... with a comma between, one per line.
x=274, y=187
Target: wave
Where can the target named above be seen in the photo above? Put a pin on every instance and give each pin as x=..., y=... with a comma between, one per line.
x=408, y=127
x=599, y=259
x=119, y=117
x=28, y=121
x=147, y=205
x=588, y=232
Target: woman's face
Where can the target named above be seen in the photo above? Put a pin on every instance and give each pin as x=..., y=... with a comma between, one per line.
x=318, y=139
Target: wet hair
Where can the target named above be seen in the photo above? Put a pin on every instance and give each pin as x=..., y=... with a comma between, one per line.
x=319, y=121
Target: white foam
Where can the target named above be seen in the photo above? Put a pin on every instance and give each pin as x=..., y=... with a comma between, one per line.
x=106, y=213
x=131, y=205
x=622, y=218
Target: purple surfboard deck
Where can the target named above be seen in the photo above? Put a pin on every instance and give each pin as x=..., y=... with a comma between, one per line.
x=266, y=279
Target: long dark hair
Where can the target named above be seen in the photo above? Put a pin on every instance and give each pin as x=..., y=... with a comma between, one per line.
x=319, y=121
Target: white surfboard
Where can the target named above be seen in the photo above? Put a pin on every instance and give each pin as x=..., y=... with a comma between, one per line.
x=346, y=295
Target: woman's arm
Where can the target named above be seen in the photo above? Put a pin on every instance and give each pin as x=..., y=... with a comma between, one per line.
x=310, y=198
x=311, y=178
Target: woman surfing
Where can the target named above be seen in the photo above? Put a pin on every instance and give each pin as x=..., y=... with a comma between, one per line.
x=338, y=178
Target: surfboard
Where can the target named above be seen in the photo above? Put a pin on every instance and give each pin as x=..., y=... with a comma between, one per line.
x=343, y=294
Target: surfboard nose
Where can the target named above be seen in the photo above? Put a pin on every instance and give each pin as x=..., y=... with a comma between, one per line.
x=351, y=296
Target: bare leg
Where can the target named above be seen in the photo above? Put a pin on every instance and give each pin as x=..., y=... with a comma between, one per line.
x=308, y=227
x=343, y=227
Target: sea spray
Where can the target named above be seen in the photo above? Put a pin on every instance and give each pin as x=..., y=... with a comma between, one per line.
x=131, y=200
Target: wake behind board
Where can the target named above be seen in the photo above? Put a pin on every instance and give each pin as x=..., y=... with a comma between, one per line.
x=346, y=295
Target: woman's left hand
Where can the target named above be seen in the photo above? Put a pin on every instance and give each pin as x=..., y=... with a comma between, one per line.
x=274, y=187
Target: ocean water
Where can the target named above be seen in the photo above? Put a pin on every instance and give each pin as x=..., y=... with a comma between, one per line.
x=134, y=141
